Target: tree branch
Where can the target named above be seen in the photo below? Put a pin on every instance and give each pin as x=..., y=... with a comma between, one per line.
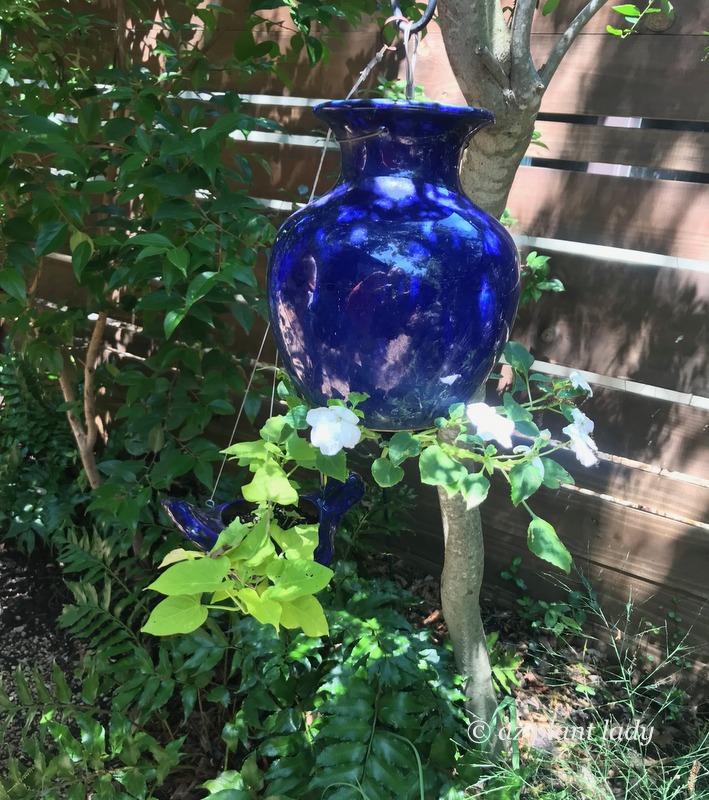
x=92, y=354
x=523, y=73
x=546, y=73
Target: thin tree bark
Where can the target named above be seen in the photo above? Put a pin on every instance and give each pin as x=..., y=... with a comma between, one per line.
x=86, y=434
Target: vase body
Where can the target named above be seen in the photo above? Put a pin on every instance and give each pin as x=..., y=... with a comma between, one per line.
x=394, y=283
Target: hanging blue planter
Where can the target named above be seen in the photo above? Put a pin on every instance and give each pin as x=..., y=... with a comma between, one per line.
x=394, y=283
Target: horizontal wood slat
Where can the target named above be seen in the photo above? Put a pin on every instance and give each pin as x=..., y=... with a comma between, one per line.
x=666, y=217
x=647, y=324
x=639, y=147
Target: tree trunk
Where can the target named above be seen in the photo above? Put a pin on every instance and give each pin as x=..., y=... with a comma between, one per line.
x=461, y=582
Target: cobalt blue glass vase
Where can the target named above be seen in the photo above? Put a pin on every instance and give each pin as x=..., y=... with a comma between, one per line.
x=394, y=283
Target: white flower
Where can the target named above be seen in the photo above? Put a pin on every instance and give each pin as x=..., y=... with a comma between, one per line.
x=580, y=383
x=334, y=427
x=579, y=433
x=536, y=461
x=490, y=425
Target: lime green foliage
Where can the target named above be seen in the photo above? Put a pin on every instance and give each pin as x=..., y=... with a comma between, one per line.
x=633, y=15
x=240, y=707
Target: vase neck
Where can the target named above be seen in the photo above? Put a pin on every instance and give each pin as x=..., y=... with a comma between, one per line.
x=422, y=141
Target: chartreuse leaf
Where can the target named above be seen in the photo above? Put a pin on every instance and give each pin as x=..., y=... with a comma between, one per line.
x=474, y=488
x=296, y=578
x=270, y=484
x=543, y=542
x=297, y=542
x=525, y=479
x=256, y=547
x=248, y=451
x=182, y=614
x=306, y=613
x=300, y=450
x=266, y=611
x=192, y=577
x=385, y=473
x=276, y=429
x=439, y=469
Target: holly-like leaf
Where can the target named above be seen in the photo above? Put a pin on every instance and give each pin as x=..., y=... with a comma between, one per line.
x=525, y=479
x=176, y=615
x=403, y=445
x=518, y=357
x=52, y=236
x=555, y=474
x=192, y=577
x=385, y=473
x=12, y=282
x=474, y=488
x=543, y=542
x=439, y=469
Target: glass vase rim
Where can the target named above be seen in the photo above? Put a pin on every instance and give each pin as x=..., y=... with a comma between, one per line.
x=384, y=104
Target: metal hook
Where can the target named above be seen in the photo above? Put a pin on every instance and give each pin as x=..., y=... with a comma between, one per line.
x=420, y=24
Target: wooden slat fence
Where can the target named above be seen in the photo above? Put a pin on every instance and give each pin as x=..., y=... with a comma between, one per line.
x=620, y=201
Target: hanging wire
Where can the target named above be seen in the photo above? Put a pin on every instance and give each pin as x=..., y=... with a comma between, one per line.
x=410, y=30
x=210, y=502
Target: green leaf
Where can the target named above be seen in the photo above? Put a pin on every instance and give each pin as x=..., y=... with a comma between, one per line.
x=514, y=411
x=80, y=257
x=270, y=483
x=474, y=488
x=549, y=7
x=614, y=31
x=192, y=577
x=172, y=320
x=151, y=240
x=555, y=474
x=403, y=445
x=439, y=469
x=525, y=479
x=180, y=258
x=300, y=450
x=89, y=120
x=51, y=237
x=332, y=466
x=518, y=357
x=176, y=615
x=385, y=473
x=627, y=10
x=174, y=184
x=12, y=282
x=543, y=542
